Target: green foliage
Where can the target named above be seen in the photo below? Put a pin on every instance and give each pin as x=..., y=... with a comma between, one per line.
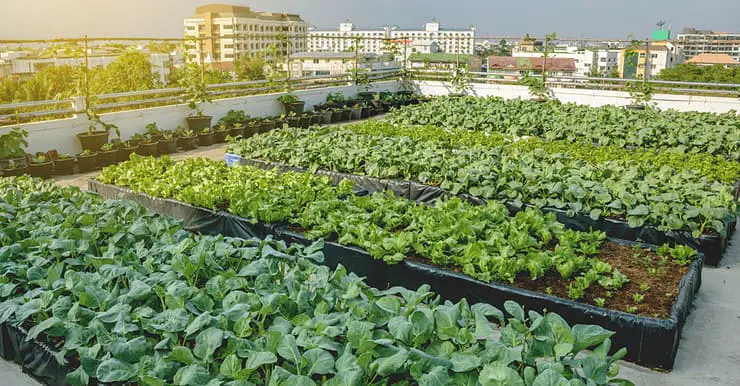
x=666, y=131
x=287, y=98
x=638, y=193
x=13, y=142
x=132, y=71
x=640, y=92
x=537, y=87
x=195, y=88
x=135, y=299
x=690, y=72
x=250, y=67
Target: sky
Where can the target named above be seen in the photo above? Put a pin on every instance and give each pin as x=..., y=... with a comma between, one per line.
x=41, y=19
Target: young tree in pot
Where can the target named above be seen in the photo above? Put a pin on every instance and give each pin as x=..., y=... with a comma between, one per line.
x=97, y=132
x=459, y=81
x=167, y=143
x=87, y=161
x=64, y=165
x=220, y=134
x=108, y=155
x=641, y=93
x=291, y=103
x=41, y=166
x=195, y=95
x=537, y=88
x=205, y=137
x=362, y=80
x=12, y=146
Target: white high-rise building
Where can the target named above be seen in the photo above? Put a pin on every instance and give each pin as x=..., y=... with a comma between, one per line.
x=692, y=42
x=386, y=40
x=589, y=61
x=235, y=31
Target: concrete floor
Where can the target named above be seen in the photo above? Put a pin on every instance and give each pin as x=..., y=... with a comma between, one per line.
x=708, y=354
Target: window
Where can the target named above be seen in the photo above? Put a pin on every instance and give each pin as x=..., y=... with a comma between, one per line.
x=642, y=54
x=654, y=56
x=602, y=60
x=315, y=61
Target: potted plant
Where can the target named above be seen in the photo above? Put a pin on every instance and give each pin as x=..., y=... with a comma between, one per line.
x=334, y=100
x=641, y=93
x=125, y=149
x=291, y=103
x=459, y=82
x=64, y=165
x=108, y=155
x=152, y=131
x=167, y=143
x=188, y=139
x=12, y=168
x=148, y=146
x=355, y=111
x=317, y=118
x=205, y=137
x=12, y=146
x=236, y=130
x=41, y=166
x=252, y=128
x=268, y=124
x=87, y=161
x=346, y=113
x=366, y=109
x=293, y=120
x=97, y=133
x=326, y=116
x=220, y=133
x=537, y=88
x=195, y=95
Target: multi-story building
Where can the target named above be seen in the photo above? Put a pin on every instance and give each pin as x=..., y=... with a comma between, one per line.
x=589, y=61
x=695, y=42
x=512, y=68
x=650, y=60
x=392, y=40
x=231, y=31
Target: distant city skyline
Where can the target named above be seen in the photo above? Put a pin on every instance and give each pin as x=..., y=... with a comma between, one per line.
x=42, y=19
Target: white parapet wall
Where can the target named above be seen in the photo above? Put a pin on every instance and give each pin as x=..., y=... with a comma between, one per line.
x=591, y=97
x=61, y=134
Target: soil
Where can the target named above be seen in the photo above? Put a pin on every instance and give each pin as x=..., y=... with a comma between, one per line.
x=634, y=263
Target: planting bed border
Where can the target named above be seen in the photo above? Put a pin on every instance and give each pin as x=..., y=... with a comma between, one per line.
x=650, y=342
x=34, y=357
x=712, y=246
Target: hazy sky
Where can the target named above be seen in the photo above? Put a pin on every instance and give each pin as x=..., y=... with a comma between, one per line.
x=27, y=19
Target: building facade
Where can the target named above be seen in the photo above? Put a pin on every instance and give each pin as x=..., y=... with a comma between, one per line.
x=714, y=59
x=391, y=40
x=234, y=31
x=649, y=60
x=512, y=68
x=588, y=61
x=695, y=42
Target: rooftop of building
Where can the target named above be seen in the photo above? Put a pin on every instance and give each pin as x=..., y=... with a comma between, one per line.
x=228, y=10
x=713, y=59
x=323, y=55
x=536, y=63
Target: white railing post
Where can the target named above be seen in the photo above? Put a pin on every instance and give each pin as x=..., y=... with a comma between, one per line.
x=78, y=105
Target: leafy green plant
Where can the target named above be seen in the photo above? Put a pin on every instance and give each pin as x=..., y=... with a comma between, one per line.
x=683, y=255
x=287, y=98
x=39, y=159
x=335, y=97
x=195, y=93
x=640, y=92
x=638, y=298
x=537, y=87
x=107, y=147
x=152, y=129
x=459, y=80
x=97, y=123
x=13, y=142
x=170, y=312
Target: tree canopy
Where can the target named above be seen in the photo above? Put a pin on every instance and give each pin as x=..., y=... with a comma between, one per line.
x=690, y=72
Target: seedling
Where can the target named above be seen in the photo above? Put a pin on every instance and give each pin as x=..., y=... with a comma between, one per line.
x=638, y=298
x=600, y=302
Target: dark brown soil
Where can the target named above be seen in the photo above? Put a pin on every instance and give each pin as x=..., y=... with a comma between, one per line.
x=641, y=266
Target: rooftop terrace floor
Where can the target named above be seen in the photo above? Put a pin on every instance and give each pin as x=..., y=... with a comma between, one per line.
x=709, y=350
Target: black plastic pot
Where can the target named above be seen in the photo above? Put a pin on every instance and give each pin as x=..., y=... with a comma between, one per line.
x=188, y=143
x=167, y=146
x=269, y=124
x=294, y=107
x=346, y=114
x=293, y=121
x=64, y=166
x=366, y=111
x=326, y=117
x=336, y=116
x=148, y=149
x=87, y=163
x=16, y=161
x=205, y=139
x=196, y=124
x=220, y=136
x=42, y=170
x=124, y=153
x=251, y=129
x=305, y=122
x=93, y=141
x=15, y=171
x=107, y=158
x=635, y=107
x=317, y=119
x=234, y=132
x=356, y=113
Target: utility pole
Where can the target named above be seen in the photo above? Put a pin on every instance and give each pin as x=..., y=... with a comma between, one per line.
x=86, y=76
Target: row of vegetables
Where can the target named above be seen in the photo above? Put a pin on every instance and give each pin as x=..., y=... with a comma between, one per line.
x=484, y=242
x=596, y=182
x=127, y=297
x=666, y=130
